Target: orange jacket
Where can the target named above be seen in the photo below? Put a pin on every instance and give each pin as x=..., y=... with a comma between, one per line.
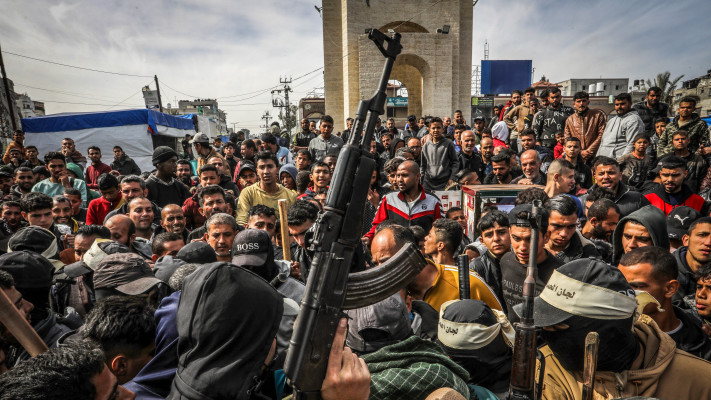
x=12, y=145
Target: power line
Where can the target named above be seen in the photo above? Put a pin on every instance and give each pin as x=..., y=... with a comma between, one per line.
x=73, y=94
x=77, y=67
x=260, y=92
x=70, y=102
x=176, y=90
x=230, y=103
x=123, y=101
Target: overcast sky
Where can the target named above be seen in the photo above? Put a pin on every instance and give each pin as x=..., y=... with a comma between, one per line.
x=236, y=50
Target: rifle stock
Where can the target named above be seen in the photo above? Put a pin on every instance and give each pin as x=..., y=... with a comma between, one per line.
x=336, y=236
x=19, y=328
x=523, y=385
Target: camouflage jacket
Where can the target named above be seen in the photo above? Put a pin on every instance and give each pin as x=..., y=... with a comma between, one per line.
x=698, y=135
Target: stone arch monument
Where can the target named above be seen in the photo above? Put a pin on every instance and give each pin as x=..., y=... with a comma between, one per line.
x=434, y=66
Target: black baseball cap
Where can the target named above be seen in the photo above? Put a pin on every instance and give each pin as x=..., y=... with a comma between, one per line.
x=29, y=269
x=679, y=220
x=478, y=118
x=586, y=288
x=127, y=273
x=515, y=220
x=246, y=167
x=251, y=247
x=197, y=252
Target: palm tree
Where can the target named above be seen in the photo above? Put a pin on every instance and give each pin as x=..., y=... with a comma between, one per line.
x=664, y=81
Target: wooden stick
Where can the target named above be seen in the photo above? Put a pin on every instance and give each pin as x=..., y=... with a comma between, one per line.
x=592, y=342
x=284, y=230
x=18, y=327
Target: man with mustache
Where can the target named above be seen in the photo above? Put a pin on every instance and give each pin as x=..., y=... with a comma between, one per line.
x=408, y=206
x=607, y=174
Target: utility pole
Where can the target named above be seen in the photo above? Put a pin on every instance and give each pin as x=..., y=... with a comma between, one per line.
x=234, y=127
x=277, y=102
x=7, y=93
x=266, y=117
x=160, y=103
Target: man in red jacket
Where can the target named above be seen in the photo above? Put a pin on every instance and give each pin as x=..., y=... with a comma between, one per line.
x=408, y=206
x=673, y=192
x=111, y=199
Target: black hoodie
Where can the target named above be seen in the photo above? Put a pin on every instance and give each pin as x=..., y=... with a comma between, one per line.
x=227, y=320
x=686, y=277
x=628, y=200
x=651, y=218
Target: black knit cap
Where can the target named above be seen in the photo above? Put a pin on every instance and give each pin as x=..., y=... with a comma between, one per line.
x=162, y=153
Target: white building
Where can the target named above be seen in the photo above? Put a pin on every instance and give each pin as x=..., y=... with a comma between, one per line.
x=595, y=86
x=29, y=108
x=207, y=108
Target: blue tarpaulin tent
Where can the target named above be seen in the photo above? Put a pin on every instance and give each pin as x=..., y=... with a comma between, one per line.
x=130, y=129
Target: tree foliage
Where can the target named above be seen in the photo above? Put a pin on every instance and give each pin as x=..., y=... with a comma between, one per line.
x=292, y=120
x=667, y=84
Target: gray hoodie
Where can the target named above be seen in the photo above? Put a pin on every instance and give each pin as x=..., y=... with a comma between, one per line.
x=439, y=164
x=620, y=133
x=651, y=218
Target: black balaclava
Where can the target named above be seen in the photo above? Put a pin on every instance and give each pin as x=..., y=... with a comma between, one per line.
x=227, y=320
x=489, y=366
x=618, y=345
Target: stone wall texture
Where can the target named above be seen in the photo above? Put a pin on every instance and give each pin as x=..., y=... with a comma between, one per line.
x=435, y=68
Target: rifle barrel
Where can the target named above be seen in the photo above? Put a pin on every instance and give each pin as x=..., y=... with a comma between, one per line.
x=523, y=385
x=463, y=269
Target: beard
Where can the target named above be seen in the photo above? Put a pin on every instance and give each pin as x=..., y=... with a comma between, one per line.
x=598, y=232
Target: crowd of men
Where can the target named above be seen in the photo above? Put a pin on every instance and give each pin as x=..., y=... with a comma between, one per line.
x=172, y=283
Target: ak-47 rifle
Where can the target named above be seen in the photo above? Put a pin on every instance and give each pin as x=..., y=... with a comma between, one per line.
x=330, y=287
x=523, y=372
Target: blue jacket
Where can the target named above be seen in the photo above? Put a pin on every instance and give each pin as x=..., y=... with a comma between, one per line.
x=154, y=380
